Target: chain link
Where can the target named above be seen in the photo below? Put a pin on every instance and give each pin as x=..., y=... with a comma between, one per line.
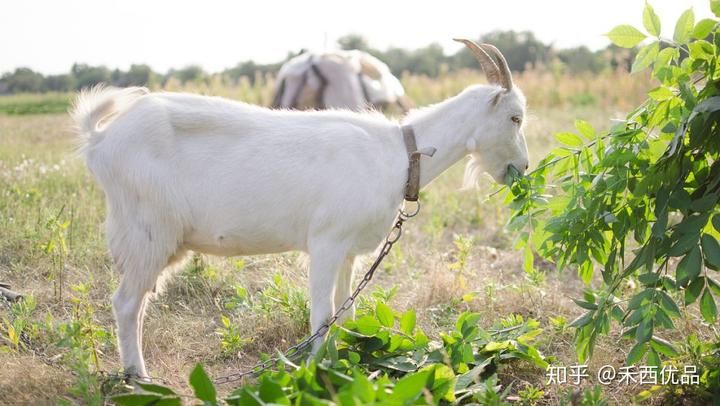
x=392, y=237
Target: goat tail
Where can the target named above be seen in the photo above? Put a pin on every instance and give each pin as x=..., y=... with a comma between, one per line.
x=101, y=104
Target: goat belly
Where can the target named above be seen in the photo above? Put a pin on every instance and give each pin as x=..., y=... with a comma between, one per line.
x=234, y=242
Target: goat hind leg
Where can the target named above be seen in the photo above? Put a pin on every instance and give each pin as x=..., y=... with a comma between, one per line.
x=128, y=305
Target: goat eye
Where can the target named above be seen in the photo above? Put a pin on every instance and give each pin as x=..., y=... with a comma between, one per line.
x=516, y=119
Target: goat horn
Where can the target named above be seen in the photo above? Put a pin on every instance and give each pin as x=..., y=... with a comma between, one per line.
x=505, y=75
x=486, y=62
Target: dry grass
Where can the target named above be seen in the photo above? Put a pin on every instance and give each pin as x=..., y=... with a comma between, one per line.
x=39, y=175
x=25, y=380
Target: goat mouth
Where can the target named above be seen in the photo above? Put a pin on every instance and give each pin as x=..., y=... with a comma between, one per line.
x=511, y=174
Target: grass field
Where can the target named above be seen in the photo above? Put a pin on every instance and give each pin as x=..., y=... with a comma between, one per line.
x=224, y=312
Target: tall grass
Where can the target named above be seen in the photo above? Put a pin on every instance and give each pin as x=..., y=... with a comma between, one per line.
x=544, y=87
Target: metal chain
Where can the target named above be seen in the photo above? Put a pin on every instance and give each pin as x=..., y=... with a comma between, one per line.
x=392, y=237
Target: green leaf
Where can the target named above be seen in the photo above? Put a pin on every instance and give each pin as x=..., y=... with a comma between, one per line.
x=689, y=267
x=651, y=21
x=353, y=357
x=715, y=7
x=703, y=28
x=586, y=129
x=662, y=320
x=570, y=139
x=271, y=392
x=693, y=290
x=708, y=309
x=645, y=57
x=585, y=305
x=664, y=58
x=636, y=353
x=700, y=49
x=493, y=346
x=168, y=401
x=711, y=251
x=704, y=204
x=684, y=27
x=367, y=325
x=716, y=218
x=668, y=304
x=407, y=322
x=443, y=383
x=638, y=299
x=661, y=93
x=644, y=331
x=410, y=387
x=626, y=36
x=652, y=358
x=692, y=224
x=714, y=285
x=384, y=314
x=362, y=387
x=202, y=386
x=472, y=375
x=684, y=244
x=528, y=259
x=582, y=320
x=648, y=279
x=663, y=347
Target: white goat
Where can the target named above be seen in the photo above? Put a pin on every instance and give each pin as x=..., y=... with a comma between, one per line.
x=184, y=172
x=343, y=79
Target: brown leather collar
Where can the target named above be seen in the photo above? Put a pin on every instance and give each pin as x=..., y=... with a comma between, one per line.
x=412, y=186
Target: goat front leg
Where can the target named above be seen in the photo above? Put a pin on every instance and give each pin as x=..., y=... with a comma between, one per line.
x=326, y=260
x=343, y=289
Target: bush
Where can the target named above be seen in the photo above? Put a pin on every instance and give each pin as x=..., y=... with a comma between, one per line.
x=640, y=202
x=382, y=357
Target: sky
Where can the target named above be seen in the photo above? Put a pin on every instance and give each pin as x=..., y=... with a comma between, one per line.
x=50, y=35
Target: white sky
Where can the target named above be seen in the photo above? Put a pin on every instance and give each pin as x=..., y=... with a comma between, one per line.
x=50, y=35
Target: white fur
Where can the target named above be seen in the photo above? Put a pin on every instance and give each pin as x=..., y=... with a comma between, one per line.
x=185, y=172
x=343, y=91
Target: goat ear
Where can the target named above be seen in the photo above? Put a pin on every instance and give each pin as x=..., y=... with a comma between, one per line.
x=496, y=98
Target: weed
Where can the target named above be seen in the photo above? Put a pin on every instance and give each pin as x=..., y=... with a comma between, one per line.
x=463, y=244
x=584, y=397
x=56, y=248
x=239, y=299
x=20, y=323
x=530, y=395
x=83, y=338
x=231, y=340
x=379, y=294
x=281, y=296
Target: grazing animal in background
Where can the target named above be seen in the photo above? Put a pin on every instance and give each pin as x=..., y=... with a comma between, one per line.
x=352, y=80
x=185, y=172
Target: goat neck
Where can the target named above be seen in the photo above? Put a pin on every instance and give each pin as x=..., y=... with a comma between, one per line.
x=446, y=126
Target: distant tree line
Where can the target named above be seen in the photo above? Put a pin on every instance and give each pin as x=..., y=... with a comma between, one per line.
x=522, y=50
